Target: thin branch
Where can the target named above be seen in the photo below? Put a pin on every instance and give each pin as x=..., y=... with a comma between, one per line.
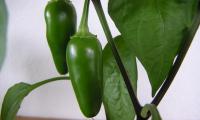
x=109, y=37
x=49, y=80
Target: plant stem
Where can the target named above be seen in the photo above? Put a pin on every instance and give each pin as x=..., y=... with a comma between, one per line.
x=48, y=81
x=140, y=118
x=101, y=15
x=84, y=20
x=178, y=62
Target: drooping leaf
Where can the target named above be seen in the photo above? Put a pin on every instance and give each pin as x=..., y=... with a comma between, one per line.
x=15, y=96
x=153, y=110
x=13, y=100
x=3, y=29
x=155, y=29
x=117, y=102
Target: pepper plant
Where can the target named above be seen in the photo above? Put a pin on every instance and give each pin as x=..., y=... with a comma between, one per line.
x=157, y=32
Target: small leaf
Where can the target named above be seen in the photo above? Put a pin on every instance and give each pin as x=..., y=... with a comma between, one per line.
x=15, y=96
x=13, y=100
x=3, y=29
x=153, y=110
x=117, y=102
x=155, y=30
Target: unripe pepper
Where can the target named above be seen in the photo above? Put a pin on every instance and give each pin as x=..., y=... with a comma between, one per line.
x=60, y=17
x=84, y=59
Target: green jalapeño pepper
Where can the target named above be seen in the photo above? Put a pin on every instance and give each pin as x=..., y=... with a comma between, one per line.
x=60, y=17
x=84, y=59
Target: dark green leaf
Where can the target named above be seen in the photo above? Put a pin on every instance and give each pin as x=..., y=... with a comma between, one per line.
x=153, y=110
x=117, y=102
x=3, y=29
x=155, y=29
x=15, y=96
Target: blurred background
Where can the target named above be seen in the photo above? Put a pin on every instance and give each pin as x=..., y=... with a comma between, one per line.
x=29, y=60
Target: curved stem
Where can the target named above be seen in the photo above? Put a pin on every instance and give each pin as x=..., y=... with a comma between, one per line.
x=84, y=20
x=178, y=61
x=48, y=81
x=101, y=15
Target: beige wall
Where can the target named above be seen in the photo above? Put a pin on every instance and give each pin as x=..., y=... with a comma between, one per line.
x=29, y=60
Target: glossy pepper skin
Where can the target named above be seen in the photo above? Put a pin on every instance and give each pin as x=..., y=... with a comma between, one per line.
x=84, y=59
x=60, y=17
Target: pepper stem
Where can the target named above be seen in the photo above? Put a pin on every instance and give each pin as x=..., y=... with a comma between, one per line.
x=83, y=28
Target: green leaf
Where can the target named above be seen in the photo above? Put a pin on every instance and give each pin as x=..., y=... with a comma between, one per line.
x=13, y=100
x=15, y=96
x=116, y=99
x=153, y=110
x=3, y=29
x=155, y=30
